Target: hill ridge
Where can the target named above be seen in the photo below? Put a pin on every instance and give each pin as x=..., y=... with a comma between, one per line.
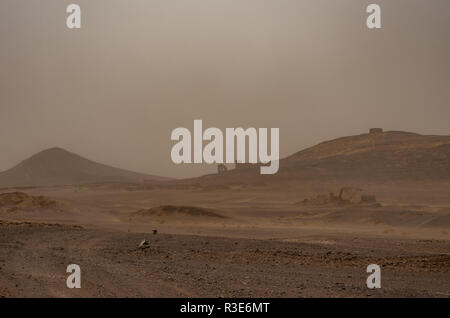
x=57, y=166
x=382, y=156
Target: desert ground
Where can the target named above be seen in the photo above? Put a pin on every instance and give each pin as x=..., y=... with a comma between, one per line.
x=229, y=241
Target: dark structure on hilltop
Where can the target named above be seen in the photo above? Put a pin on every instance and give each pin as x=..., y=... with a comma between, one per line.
x=243, y=165
x=375, y=130
x=221, y=169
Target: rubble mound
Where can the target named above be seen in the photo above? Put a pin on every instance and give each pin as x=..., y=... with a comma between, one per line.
x=19, y=200
x=347, y=195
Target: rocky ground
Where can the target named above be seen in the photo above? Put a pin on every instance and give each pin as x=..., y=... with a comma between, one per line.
x=34, y=258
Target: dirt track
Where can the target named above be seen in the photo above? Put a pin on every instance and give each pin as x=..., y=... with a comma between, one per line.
x=34, y=257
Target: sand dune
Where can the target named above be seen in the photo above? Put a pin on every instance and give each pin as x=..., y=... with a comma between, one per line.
x=19, y=200
x=171, y=212
x=392, y=216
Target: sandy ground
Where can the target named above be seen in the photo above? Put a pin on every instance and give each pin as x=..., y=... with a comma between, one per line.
x=267, y=245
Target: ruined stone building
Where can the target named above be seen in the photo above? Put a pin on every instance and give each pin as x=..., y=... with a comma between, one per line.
x=221, y=169
x=375, y=130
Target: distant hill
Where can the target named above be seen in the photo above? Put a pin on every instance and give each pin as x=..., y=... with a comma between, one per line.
x=57, y=166
x=379, y=156
x=387, y=155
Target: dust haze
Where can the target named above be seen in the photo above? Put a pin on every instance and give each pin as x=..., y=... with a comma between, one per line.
x=86, y=175
x=115, y=89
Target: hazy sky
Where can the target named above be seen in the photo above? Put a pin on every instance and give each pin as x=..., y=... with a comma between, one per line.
x=114, y=90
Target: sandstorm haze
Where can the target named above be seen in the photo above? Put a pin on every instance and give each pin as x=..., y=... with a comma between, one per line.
x=103, y=100
x=114, y=90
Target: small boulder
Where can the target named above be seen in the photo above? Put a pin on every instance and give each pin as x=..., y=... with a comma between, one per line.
x=144, y=245
x=350, y=195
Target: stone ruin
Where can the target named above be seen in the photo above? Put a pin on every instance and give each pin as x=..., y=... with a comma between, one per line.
x=347, y=195
x=222, y=169
x=368, y=198
x=350, y=194
x=375, y=130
